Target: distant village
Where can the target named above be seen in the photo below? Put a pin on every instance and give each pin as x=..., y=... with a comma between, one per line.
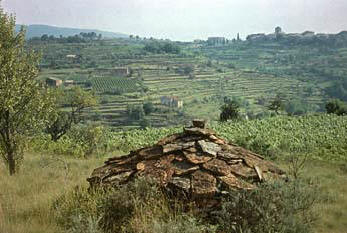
x=280, y=35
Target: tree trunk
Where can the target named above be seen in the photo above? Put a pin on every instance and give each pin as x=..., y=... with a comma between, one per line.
x=11, y=163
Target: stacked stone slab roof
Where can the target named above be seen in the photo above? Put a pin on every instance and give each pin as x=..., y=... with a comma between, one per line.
x=195, y=162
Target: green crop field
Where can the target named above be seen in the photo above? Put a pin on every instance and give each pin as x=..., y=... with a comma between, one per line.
x=113, y=84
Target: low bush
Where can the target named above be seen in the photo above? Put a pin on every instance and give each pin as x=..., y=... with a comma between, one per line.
x=80, y=141
x=279, y=207
x=138, y=207
x=141, y=207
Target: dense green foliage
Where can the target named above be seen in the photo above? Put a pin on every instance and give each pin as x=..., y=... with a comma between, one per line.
x=162, y=47
x=321, y=136
x=74, y=101
x=229, y=111
x=337, y=107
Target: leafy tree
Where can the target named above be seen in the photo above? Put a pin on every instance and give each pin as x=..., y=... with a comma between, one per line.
x=144, y=123
x=44, y=37
x=230, y=110
x=24, y=103
x=296, y=107
x=337, y=107
x=187, y=70
x=148, y=108
x=135, y=112
x=277, y=104
x=157, y=47
x=61, y=121
x=338, y=89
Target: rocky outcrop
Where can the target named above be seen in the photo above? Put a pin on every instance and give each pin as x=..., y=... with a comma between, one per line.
x=196, y=162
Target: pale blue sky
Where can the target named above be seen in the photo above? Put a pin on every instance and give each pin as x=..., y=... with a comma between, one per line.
x=184, y=19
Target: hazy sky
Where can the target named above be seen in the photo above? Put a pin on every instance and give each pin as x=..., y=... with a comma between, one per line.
x=184, y=19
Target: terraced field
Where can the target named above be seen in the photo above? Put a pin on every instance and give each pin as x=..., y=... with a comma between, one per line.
x=239, y=71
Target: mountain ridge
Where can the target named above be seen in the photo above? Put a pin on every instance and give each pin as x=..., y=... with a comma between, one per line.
x=37, y=30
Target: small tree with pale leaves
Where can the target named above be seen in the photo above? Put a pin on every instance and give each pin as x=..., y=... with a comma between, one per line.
x=24, y=103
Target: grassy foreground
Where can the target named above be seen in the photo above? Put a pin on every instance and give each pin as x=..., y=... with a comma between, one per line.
x=26, y=199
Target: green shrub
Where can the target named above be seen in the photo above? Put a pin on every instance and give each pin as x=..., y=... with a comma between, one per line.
x=114, y=210
x=80, y=141
x=337, y=107
x=183, y=224
x=258, y=145
x=138, y=207
x=279, y=207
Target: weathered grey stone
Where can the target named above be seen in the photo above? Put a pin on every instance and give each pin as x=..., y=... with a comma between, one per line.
x=234, y=161
x=199, y=131
x=175, y=147
x=181, y=183
x=259, y=173
x=209, y=147
x=243, y=171
x=232, y=182
x=119, y=178
x=225, y=155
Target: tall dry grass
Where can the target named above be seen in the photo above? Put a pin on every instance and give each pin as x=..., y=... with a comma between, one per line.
x=26, y=198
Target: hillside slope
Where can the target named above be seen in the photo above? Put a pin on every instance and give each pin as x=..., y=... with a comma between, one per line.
x=39, y=30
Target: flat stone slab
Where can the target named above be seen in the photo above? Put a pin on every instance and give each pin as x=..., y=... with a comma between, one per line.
x=209, y=147
x=203, y=184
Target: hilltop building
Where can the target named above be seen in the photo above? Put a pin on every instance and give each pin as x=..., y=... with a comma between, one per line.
x=279, y=35
x=53, y=82
x=257, y=37
x=172, y=101
x=216, y=41
x=308, y=34
x=69, y=83
x=278, y=30
x=121, y=71
x=116, y=71
x=72, y=56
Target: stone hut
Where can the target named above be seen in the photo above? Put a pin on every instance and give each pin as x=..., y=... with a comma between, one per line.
x=69, y=83
x=195, y=164
x=216, y=40
x=308, y=34
x=53, y=82
x=171, y=101
x=121, y=71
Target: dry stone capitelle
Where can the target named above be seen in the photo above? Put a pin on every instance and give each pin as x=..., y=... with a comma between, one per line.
x=195, y=162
